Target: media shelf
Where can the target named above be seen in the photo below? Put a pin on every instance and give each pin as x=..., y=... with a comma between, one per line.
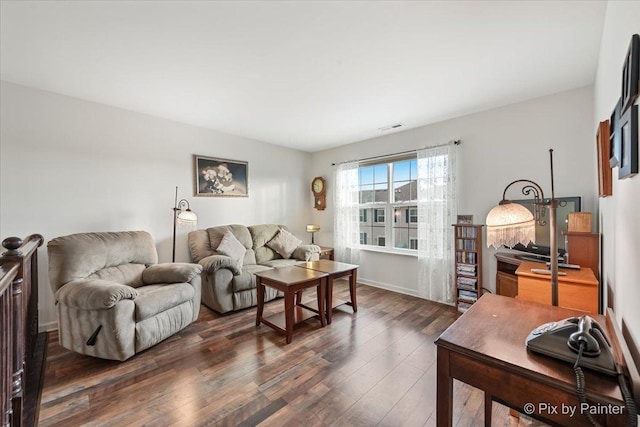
x=468, y=264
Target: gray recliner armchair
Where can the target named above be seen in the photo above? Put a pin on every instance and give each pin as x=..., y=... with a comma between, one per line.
x=113, y=299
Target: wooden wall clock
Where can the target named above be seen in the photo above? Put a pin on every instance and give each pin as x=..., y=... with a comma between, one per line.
x=319, y=189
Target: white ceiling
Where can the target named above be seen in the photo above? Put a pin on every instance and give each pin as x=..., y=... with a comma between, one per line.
x=307, y=75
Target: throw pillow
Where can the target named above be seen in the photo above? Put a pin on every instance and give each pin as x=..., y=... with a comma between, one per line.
x=284, y=243
x=231, y=247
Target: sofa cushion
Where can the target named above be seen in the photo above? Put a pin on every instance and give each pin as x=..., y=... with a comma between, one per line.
x=79, y=255
x=126, y=274
x=231, y=247
x=247, y=280
x=199, y=245
x=154, y=299
x=261, y=234
x=240, y=232
x=279, y=263
x=284, y=243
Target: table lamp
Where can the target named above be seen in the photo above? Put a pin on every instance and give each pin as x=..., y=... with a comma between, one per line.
x=312, y=228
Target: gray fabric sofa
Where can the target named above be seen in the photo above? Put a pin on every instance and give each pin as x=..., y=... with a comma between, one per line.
x=110, y=283
x=226, y=288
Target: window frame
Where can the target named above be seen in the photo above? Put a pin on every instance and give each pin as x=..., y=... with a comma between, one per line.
x=411, y=241
x=388, y=207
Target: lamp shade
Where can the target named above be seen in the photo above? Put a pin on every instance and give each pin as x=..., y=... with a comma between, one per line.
x=312, y=228
x=509, y=224
x=187, y=217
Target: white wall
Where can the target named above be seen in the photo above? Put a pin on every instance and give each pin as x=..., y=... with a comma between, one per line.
x=498, y=146
x=70, y=166
x=619, y=214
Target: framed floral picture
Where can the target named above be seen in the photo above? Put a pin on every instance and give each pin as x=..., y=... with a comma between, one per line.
x=465, y=219
x=214, y=177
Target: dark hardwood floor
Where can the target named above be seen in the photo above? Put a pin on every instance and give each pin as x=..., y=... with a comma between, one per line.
x=374, y=367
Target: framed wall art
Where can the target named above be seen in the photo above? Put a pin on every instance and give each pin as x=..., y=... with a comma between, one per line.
x=614, y=136
x=604, y=171
x=628, y=143
x=214, y=177
x=631, y=73
x=465, y=219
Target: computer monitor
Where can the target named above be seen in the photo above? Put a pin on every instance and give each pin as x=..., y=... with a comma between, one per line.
x=542, y=244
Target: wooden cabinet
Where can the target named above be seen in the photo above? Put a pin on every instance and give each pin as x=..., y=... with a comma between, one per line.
x=506, y=279
x=506, y=284
x=578, y=289
x=584, y=250
x=468, y=264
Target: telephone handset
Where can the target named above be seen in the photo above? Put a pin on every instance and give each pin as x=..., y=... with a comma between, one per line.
x=563, y=339
x=589, y=334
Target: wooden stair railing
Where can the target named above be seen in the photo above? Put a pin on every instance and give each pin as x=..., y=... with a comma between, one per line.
x=19, y=335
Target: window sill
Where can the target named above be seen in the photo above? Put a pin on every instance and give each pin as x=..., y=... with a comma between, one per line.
x=403, y=252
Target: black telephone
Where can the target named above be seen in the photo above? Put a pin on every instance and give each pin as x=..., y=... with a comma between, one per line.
x=571, y=339
x=563, y=340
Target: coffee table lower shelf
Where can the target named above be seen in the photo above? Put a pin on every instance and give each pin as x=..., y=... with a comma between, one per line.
x=278, y=321
x=312, y=305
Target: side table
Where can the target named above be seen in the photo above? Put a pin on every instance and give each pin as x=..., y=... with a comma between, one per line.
x=334, y=270
x=326, y=253
x=290, y=280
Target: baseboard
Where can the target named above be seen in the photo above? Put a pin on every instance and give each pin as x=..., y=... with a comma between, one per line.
x=48, y=327
x=397, y=289
x=389, y=287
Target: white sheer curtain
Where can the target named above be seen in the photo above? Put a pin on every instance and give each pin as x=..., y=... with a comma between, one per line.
x=437, y=210
x=346, y=219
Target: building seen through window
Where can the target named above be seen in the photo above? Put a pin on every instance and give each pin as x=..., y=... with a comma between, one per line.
x=388, y=204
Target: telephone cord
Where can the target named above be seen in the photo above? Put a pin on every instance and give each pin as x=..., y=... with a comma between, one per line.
x=580, y=386
x=632, y=411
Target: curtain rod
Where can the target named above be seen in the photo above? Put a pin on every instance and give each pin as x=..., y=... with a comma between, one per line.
x=454, y=142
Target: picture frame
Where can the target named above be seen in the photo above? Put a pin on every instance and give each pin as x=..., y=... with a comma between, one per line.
x=628, y=143
x=465, y=219
x=614, y=135
x=216, y=177
x=631, y=74
x=605, y=187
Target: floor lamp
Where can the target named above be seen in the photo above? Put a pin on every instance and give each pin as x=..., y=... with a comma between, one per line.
x=510, y=223
x=183, y=216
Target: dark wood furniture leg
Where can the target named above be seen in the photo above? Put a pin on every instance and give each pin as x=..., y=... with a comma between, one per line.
x=260, y=295
x=444, y=393
x=329, y=292
x=320, y=295
x=352, y=289
x=488, y=406
x=288, y=312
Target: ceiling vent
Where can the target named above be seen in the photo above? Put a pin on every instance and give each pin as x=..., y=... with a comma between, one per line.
x=391, y=127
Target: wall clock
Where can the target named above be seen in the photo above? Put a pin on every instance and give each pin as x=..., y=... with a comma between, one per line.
x=319, y=189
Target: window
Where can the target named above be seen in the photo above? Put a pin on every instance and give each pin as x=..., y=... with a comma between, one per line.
x=413, y=243
x=363, y=238
x=391, y=187
x=413, y=215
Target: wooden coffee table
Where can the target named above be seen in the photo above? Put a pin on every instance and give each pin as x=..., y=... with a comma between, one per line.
x=334, y=270
x=290, y=280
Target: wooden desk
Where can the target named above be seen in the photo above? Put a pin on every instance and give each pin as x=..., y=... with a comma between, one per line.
x=485, y=348
x=577, y=290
